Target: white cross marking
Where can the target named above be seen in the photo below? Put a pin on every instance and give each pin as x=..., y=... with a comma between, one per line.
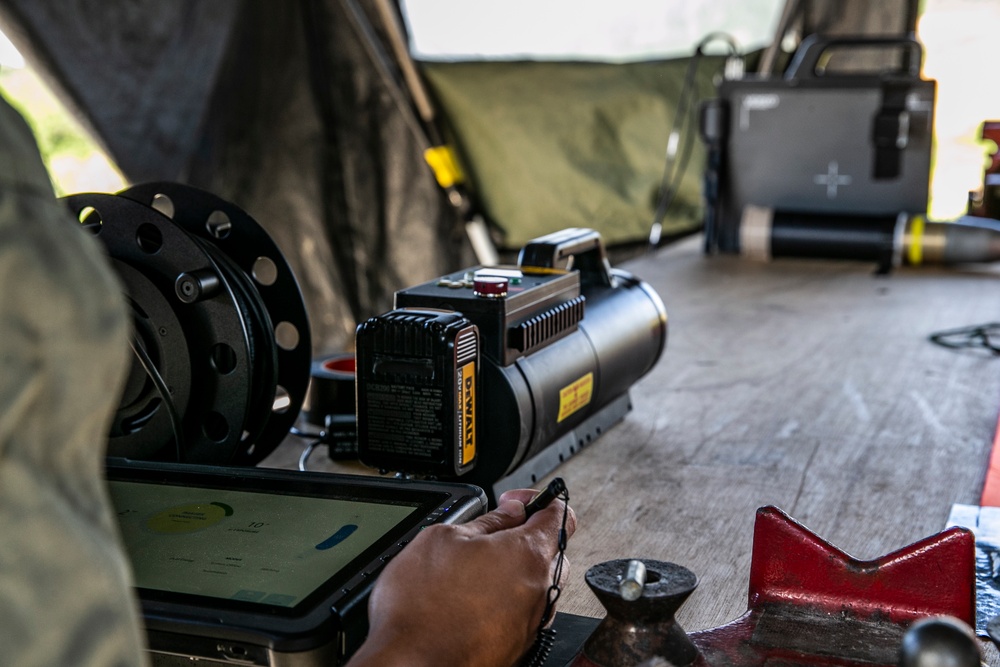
x=832, y=179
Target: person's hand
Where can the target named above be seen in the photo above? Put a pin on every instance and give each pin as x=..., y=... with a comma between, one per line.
x=466, y=595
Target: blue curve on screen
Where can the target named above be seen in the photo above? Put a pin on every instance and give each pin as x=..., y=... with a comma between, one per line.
x=342, y=534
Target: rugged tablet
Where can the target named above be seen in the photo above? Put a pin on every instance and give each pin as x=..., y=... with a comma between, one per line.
x=266, y=567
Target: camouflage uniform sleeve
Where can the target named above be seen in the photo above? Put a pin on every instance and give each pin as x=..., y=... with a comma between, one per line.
x=65, y=588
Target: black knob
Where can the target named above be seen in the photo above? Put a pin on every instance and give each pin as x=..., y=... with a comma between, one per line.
x=197, y=285
x=940, y=641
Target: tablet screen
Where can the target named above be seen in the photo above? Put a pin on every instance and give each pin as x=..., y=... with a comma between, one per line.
x=246, y=546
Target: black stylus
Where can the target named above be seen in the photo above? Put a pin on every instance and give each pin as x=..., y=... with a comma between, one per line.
x=544, y=497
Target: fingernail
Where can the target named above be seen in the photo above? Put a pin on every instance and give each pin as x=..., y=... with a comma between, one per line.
x=514, y=508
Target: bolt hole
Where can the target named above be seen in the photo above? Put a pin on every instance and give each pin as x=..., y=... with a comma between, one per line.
x=286, y=335
x=149, y=238
x=91, y=220
x=223, y=358
x=215, y=427
x=218, y=224
x=265, y=271
x=282, y=400
x=164, y=205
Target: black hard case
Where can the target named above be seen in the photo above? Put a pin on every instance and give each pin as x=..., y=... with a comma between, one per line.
x=806, y=142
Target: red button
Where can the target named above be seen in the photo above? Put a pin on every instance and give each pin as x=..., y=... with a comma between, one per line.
x=491, y=287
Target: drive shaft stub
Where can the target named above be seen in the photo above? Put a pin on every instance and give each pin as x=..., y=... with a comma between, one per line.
x=635, y=579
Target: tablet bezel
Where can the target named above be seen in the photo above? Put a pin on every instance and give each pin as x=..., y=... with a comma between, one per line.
x=320, y=614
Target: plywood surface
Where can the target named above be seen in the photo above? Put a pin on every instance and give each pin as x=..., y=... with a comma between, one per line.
x=811, y=386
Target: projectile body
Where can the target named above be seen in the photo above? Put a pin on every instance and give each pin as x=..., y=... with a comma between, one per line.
x=890, y=241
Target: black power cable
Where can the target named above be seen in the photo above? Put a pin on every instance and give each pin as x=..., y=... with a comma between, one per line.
x=978, y=337
x=674, y=168
x=161, y=387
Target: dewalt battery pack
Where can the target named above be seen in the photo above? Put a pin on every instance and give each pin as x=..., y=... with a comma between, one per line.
x=418, y=380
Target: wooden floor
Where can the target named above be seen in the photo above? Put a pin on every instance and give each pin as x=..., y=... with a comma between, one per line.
x=811, y=386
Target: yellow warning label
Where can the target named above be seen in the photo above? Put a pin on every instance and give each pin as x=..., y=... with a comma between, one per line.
x=575, y=396
x=467, y=412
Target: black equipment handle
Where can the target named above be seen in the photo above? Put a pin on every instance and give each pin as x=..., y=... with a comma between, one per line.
x=583, y=245
x=807, y=56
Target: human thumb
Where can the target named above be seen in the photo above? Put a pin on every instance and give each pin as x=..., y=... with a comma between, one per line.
x=508, y=514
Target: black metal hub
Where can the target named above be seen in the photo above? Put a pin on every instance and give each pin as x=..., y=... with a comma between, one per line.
x=141, y=428
x=218, y=314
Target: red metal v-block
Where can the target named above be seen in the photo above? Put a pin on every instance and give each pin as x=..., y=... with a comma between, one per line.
x=791, y=565
x=811, y=603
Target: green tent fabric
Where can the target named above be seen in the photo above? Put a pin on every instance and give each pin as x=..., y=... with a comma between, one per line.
x=278, y=107
x=573, y=144
x=297, y=112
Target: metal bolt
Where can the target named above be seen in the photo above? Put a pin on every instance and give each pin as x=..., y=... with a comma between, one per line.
x=635, y=579
x=197, y=285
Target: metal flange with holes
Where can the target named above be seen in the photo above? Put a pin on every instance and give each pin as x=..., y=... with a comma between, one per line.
x=217, y=313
